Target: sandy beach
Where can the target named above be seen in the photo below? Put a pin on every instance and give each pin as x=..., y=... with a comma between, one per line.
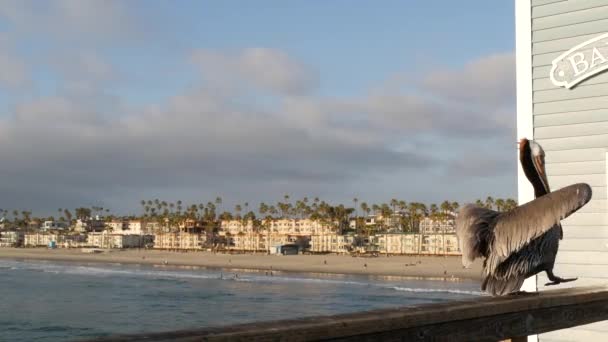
x=410, y=266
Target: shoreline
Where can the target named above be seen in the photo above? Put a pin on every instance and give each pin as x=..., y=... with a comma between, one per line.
x=430, y=267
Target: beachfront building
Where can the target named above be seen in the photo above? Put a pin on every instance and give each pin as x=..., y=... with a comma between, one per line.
x=109, y=240
x=153, y=227
x=302, y=227
x=11, y=239
x=292, y=227
x=562, y=92
x=425, y=244
x=332, y=243
x=252, y=242
x=179, y=241
x=431, y=226
x=398, y=243
x=74, y=241
x=53, y=225
x=89, y=225
x=439, y=244
x=42, y=239
x=117, y=226
x=234, y=227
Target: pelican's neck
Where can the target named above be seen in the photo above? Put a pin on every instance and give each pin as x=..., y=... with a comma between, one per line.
x=530, y=171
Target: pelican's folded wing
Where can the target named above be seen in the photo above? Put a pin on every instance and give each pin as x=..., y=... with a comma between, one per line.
x=516, y=228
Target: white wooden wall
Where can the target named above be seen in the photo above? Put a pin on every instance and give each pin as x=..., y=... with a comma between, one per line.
x=572, y=127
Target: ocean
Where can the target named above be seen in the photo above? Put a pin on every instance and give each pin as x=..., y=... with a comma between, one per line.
x=65, y=301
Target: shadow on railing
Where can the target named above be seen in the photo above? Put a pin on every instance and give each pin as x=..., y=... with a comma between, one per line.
x=483, y=319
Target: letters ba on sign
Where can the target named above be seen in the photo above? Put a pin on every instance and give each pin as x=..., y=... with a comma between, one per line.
x=581, y=62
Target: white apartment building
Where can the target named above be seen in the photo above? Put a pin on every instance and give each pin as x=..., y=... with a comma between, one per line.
x=430, y=226
x=426, y=244
x=181, y=240
x=108, y=240
x=332, y=243
x=11, y=239
x=42, y=239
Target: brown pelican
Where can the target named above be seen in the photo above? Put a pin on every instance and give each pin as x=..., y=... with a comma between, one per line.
x=521, y=242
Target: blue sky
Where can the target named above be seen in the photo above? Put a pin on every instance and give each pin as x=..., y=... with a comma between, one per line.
x=251, y=100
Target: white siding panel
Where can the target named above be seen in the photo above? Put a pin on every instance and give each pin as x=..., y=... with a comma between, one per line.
x=574, y=155
x=581, y=281
x=565, y=7
x=573, y=271
x=571, y=18
x=594, y=180
x=571, y=105
x=560, y=44
x=577, y=334
x=541, y=72
x=541, y=83
x=544, y=2
x=593, y=27
x=569, y=118
x=581, y=257
x=561, y=94
x=572, y=130
x=545, y=59
x=587, y=219
x=572, y=127
x=577, y=168
x=595, y=206
x=574, y=143
x=586, y=232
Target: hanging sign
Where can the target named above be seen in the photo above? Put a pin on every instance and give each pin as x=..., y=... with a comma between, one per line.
x=581, y=62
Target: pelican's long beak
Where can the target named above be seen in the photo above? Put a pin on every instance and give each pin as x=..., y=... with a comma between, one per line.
x=539, y=165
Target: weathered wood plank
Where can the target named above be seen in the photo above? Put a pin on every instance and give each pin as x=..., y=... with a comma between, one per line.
x=483, y=319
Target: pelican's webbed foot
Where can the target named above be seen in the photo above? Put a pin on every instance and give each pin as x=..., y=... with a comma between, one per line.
x=557, y=280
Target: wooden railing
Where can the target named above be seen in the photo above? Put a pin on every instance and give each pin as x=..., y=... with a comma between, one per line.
x=480, y=319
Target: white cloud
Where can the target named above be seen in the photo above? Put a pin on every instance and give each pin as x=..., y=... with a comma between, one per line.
x=70, y=19
x=200, y=141
x=488, y=81
x=13, y=72
x=265, y=68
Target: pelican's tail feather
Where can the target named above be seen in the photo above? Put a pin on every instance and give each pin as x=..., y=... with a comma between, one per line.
x=500, y=287
x=474, y=227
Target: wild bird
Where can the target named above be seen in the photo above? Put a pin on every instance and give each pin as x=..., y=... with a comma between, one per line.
x=522, y=242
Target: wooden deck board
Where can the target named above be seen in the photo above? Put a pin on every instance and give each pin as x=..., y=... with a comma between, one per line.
x=483, y=319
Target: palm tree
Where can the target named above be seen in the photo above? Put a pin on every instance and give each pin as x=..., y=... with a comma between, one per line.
x=218, y=203
x=355, y=200
x=490, y=202
x=238, y=209
x=500, y=204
